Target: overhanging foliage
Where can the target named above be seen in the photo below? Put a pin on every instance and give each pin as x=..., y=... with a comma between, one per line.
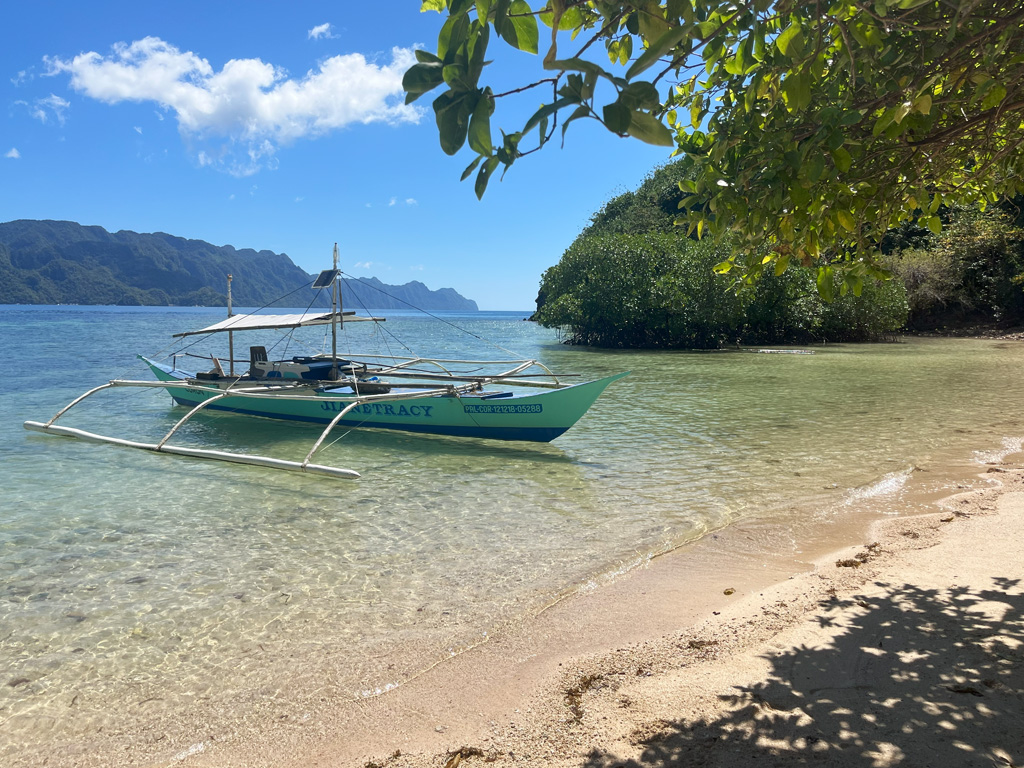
x=813, y=127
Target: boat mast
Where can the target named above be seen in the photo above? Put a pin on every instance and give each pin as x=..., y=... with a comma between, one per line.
x=231, y=336
x=335, y=300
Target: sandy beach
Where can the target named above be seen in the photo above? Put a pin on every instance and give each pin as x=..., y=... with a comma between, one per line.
x=906, y=648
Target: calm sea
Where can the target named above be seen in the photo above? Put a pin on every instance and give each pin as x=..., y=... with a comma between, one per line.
x=139, y=589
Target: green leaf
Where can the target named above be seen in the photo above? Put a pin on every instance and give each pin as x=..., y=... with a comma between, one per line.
x=722, y=267
x=426, y=57
x=650, y=130
x=814, y=166
x=545, y=111
x=625, y=50
x=581, y=111
x=501, y=15
x=480, y=125
x=640, y=95
x=884, y=121
x=791, y=41
x=781, y=264
x=846, y=219
x=452, y=111
x=617, y=117
x=577, y=65
x=665, y=43
x=633, y=23
x=477, y=51
x=571, y=18
x=432, y=5
x=455, y=76
x=993, y=96
x=826, y=284
x=421, y=78
x=696, y=110
x=934, y=223
x=471, y=167
x=796, y=90
x=842, y=159
x=452, y=36
x=484, y=176
x=520, y=28
x=851, y=117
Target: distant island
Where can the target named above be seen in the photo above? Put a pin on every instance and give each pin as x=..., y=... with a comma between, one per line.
x=62, y=262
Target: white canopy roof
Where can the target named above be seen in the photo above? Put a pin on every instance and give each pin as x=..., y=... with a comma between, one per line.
x=266, y=322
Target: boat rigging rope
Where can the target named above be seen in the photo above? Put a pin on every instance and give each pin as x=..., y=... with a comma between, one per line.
x=384, y=332
x=201, y=338
x=430, y=314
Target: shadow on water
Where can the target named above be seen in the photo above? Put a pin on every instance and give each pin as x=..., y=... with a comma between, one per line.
x=916, y=678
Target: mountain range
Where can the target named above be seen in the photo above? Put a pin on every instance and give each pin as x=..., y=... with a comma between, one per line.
x=62, y=262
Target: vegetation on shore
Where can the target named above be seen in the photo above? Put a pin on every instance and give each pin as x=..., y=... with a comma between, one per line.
x=634, y=279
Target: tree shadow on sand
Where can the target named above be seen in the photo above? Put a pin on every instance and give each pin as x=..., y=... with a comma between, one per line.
x=914, y=677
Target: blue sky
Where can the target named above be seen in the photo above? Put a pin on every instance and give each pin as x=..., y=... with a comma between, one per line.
x=282, y=126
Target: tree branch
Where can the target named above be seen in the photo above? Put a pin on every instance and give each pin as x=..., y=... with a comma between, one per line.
x=526, y=87
x=959, y=128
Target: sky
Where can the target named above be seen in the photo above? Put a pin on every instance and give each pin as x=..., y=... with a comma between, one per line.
x=282, y=127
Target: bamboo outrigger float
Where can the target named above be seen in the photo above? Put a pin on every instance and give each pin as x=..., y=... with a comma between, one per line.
x=412, y=394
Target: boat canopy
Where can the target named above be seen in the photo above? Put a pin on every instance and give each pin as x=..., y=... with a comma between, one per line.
x=268, y=322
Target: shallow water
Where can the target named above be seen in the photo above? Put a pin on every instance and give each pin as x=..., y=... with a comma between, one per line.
x=137, y=587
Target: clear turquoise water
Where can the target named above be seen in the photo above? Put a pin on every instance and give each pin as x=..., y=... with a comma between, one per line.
x=137, y=587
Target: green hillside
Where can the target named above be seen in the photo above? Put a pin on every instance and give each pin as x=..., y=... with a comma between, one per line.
x=62, y=262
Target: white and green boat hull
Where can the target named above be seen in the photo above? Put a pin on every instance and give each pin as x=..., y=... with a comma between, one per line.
x=534, y=416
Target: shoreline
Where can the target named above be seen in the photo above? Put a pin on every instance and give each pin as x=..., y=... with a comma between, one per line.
x=620, y=674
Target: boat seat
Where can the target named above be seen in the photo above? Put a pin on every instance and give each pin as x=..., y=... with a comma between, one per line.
x=257, y=354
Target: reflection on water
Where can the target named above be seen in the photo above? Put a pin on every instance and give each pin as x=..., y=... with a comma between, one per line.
x=137, y=587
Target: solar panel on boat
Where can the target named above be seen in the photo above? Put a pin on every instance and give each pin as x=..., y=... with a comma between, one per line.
x=325, y=278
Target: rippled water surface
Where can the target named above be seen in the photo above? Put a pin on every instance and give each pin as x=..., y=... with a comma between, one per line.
x=135, y=585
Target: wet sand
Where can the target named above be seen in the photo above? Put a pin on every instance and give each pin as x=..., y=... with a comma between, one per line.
x=905, y=648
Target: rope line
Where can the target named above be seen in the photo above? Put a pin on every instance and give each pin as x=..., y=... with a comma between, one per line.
x=430, y=314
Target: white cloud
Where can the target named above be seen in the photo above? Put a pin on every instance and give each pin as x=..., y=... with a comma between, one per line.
x=22, y=77
x=250, y=107
x=13, y=153
x=392, y=201
x=417, y=268
x=411, y=201
x=299, y=199
x=52, y=107
x=138, y=129
x=321, y=30
x=362, y=265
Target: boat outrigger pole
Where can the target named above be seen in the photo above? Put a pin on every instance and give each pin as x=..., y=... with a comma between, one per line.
x=162, y=446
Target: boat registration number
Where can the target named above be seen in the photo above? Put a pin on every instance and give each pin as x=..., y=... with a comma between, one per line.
x=503, y=408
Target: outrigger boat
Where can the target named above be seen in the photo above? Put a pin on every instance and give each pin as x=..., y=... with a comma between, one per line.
x=501, y=400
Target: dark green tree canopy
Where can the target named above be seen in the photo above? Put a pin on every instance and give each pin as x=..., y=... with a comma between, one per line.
x=632, y=279
x=813, y=127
